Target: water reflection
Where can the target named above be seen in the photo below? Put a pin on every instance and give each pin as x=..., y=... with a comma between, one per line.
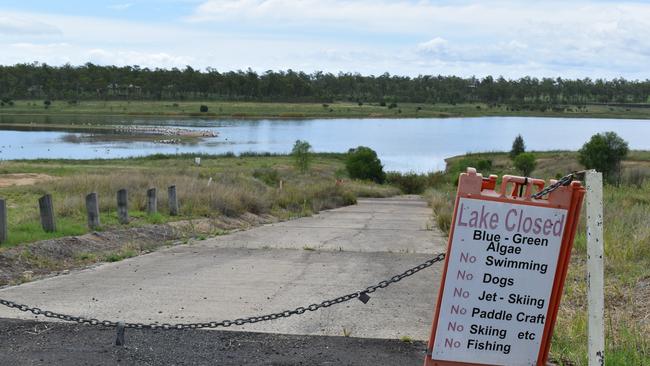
x=402, y=144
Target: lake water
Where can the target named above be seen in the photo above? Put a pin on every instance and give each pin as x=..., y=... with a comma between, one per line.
x=402, y=144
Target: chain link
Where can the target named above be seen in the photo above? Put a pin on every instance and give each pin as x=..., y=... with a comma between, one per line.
x=227, y=323
x=564, y=181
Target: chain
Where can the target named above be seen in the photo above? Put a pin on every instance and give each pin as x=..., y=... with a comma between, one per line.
x=564, y=181
x=361, y=295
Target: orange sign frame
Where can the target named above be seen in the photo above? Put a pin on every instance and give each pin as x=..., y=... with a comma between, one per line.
x=474, y=185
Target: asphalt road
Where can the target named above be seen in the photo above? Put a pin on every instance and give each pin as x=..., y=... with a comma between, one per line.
x=270, y=269
x=37, y=343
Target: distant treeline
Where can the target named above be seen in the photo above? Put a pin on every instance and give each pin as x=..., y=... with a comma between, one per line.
x=89, y=81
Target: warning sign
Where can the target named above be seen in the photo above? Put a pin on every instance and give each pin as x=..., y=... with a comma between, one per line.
x=504, y=267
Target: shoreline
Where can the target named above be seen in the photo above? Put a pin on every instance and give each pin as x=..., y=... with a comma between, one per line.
x=221, y=110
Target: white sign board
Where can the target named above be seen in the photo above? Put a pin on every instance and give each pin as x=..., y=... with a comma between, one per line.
x=499, y=279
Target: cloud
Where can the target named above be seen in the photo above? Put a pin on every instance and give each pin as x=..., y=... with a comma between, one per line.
x=15, y=25
x=144, y=59
x=471, y=37
x=435, y=46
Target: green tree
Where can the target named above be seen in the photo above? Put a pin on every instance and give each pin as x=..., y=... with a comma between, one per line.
x=518, y=147
x=525, y=163
x=301, y=153
x=604, y=153
x=363, y=163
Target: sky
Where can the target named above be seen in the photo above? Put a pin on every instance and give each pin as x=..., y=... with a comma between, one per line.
x=572, y=39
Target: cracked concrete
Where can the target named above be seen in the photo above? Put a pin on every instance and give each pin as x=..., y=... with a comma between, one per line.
x=269, y=269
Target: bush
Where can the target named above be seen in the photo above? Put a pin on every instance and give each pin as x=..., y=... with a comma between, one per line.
x=410, y=183
x=47, y=103
x=302, y=155
x=363, y=163
x=203, y=108
x=269, y=176
x=382, y=104
x=525, y=163
x=518, y=147
x=604, y=153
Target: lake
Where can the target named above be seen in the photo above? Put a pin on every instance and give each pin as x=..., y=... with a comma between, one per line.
x=402, y=144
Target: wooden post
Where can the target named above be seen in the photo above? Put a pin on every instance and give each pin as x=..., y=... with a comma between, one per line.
x=152, y=202
x=123, y=206
x=92, y=208
x=173, y=201
x=3, y=221
x=595, y=275
x=47, y=213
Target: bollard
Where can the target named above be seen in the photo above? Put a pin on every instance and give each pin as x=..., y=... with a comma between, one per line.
x=92, y=208
x=3, y=221
x=152, y=202
x=173, y=201
x=123, y=206
x=47, y=213
x=595, y=269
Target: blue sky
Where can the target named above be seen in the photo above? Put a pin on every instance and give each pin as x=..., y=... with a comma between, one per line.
x=596, y=39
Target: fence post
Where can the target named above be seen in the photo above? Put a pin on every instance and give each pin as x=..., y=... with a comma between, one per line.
x=173, y=201
x=3, y=221
x=47, y=213
x=152, y=202
x=595, y=276
x=123, y=206
x=92, y=208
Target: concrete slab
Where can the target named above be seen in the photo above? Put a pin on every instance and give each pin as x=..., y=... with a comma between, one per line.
x=221, y=279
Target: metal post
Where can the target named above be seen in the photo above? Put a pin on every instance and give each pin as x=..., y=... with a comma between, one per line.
x=47, y=213
x=123, y=206
x=173, y=201
x=3, y=221
x=92, y=208
x=152, y=202
x=595, y=275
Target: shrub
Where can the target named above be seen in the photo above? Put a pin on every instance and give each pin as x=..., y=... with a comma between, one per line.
x=392, y=105
x=518, y=147
x=47, y=103
x=410, y=183
x=269, y=176
x=604, y=153
x=481, y=165
x=382, y=104
x=203, y=108
x=525, y=163
x=302, y=155
x=363, y=163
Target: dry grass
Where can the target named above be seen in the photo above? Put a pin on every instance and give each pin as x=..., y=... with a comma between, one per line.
x=221, y=186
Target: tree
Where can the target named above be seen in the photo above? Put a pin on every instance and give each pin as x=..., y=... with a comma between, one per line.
x=525, y=163
x=301, y=153
x=518, y=147
x=363, y=163
x=604, y=153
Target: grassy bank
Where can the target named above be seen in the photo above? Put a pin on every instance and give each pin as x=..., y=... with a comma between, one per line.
x=307, y=110
x=627, y=255
x=223, y=186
